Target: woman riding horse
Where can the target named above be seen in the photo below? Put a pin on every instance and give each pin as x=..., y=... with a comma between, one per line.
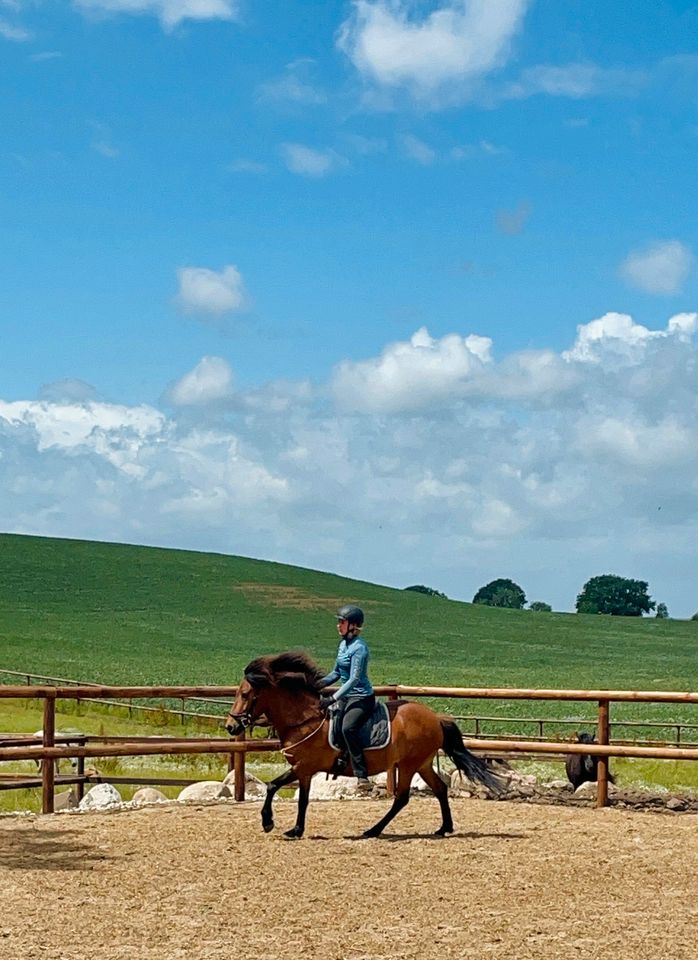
x=285, y=688
x=355, y=698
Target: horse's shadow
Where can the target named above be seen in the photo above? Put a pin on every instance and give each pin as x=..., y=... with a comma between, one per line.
x=46, y=849
x=401, y=837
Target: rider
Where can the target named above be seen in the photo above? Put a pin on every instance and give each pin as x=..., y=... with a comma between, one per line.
x=355, y=696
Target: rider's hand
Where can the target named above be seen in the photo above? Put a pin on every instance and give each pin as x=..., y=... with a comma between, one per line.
x=326, y=703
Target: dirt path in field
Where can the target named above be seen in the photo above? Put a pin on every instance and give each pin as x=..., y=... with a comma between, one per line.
x=516, y=882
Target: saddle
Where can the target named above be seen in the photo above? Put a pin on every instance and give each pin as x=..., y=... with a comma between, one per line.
x=375, y=733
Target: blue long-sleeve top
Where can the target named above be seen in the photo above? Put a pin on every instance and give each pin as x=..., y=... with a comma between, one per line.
x=351, y=667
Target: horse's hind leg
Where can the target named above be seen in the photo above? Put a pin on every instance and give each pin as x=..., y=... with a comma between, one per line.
x=282, y=781
x=440, y=790
x=295, y=833
x=402, y=797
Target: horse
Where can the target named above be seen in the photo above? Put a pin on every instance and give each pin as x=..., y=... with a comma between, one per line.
x=583, y=767
x=283, y=688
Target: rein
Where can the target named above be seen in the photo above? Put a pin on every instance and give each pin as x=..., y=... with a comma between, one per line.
x=292, y=746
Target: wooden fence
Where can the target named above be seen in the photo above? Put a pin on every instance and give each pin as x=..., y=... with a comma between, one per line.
x=49, y=749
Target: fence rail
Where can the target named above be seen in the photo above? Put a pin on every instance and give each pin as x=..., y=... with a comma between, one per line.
x=49, y=749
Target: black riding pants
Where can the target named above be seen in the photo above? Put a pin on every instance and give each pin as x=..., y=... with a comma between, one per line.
x=354, y=715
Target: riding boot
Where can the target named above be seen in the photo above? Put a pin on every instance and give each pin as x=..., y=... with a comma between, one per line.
x=340, y=764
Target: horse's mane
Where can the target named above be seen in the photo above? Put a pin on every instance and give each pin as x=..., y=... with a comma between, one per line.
x=294, y=668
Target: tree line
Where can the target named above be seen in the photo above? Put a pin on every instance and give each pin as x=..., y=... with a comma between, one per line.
x=610, y=594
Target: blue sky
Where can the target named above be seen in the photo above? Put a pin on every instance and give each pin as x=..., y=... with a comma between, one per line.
x=404, y=290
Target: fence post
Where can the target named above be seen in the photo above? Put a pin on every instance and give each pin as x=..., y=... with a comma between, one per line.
x=602, y=769
x=47, y=767
x=239, y=767
x=390, y=780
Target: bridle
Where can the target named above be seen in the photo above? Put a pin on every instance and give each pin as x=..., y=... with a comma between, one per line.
x=245, y=719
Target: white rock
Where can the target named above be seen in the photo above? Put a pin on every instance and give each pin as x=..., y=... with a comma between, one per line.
x=589, y=789
x=102, y=796
x=559, y=785
x=66, y=800
x=321, y=788
x=148, y=795
x=255, y=789
x=205, y=790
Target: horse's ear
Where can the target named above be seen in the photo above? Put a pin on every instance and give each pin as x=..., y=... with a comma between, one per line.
x=256, y=679
x=291, y=681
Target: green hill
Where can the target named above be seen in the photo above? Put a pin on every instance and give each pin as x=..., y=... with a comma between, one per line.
x=125, y=614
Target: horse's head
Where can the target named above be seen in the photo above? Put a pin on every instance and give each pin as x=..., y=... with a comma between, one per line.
x=248, y=705
x=277, y=686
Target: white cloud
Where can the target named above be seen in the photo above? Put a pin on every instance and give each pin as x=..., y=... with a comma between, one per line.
x=513, y=222
x=170, y=12
x=574, y=80
x=11, y=32
x=417, y=150
x=210, y=381
x=410, y=376
x=206, y=292
x=660, y=268
x=294, y=86
x=310, y=162
x=616, y=332
x=460, y=41
x=542, y=466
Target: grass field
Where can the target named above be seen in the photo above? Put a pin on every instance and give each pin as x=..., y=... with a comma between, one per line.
x=126, y=614
x=134, y=615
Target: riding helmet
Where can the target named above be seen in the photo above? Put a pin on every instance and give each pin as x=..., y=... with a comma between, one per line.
x=354, y=615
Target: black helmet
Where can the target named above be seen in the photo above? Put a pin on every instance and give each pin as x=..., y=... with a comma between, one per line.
x=354, y=615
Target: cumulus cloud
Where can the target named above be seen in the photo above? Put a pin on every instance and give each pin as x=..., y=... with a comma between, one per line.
x=310, y=162
x=209, y=381
x=420, y=373
x=459, y=42
x=659, y=268
x=204, y=291
x=437, y=460
x=170, y=12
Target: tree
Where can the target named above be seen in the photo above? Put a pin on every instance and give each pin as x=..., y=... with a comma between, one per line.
x=501, y=593
x=662, y=611
x=695, y=616
x=619, y=596
x=540, y=607
x=429, y=591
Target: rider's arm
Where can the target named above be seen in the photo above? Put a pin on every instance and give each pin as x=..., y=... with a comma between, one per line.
x=359, y=661
x=331, y=678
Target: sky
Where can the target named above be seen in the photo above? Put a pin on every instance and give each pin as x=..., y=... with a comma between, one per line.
x=401, y=290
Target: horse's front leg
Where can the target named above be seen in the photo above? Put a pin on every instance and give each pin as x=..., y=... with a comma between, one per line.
x=281, y=781
x=295, y=833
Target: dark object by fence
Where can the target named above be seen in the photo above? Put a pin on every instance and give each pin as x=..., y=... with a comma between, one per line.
x=582, y=767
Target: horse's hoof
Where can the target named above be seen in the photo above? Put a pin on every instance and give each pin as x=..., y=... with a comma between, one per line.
x=443, y=831
x=371, y=834
x=268, y=827
x=293, y=834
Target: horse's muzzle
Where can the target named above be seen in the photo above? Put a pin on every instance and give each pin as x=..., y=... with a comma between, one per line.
x=236, y=728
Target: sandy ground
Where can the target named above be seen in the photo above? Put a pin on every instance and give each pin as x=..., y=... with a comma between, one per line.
x=205, y=883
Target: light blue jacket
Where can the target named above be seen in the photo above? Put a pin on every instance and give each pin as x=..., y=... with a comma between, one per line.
x=351, y=667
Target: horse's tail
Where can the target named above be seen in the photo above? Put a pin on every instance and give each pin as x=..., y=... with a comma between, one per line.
x=473, y=767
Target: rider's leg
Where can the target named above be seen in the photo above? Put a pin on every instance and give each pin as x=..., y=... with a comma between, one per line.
x=355, y=715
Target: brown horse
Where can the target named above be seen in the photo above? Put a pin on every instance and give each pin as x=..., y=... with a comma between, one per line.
x=284, y=689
